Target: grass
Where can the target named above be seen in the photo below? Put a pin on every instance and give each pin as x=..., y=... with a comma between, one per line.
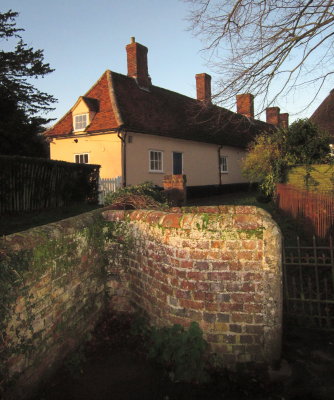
x=20, y=222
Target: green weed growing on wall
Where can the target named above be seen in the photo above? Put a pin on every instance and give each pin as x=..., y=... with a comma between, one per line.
x=12, y=268
x=119, y=232
x=57, y=255
x=204, y=223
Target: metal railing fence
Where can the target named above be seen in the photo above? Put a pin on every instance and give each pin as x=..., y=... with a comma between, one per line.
x=308, y=273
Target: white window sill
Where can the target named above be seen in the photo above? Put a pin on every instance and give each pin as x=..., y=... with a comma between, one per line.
x=79, y=130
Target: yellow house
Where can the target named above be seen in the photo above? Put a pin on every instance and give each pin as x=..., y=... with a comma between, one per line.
x=141, y=132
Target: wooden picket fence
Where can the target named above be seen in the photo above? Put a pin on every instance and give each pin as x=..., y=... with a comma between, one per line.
x=107, y=185
x=28, y=184
x=314, y=211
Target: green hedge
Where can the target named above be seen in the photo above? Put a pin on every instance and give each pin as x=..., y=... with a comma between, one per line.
x=315, y=178
x=28, y=184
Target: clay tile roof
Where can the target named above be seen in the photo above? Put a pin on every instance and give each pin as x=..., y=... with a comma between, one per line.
x=166, y=113
x=98, y=99
x=92, y=104
x=161, y=112
x=323, y=115
x=63, y=127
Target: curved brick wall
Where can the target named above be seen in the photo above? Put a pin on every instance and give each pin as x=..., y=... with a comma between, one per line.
x=220, y=266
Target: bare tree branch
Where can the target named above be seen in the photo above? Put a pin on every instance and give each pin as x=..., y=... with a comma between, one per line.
x=266, y=47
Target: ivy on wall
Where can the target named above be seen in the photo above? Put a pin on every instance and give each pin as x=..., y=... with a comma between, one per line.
x=53, y=253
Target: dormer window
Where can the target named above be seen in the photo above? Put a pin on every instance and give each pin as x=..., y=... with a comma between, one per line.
x=83, y=113
x=80, y=122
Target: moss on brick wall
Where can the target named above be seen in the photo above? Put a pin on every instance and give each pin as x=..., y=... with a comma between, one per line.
x=52, y=280
x=219, y=266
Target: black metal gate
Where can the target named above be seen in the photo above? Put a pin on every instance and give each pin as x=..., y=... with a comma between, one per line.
x=308, y=273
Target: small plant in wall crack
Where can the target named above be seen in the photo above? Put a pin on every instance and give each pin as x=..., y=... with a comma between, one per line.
x=12, y=269
x=203, y=225
x=118, y=232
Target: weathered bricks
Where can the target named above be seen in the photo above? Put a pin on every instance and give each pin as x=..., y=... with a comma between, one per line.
x=217, y=265
x=59, y=300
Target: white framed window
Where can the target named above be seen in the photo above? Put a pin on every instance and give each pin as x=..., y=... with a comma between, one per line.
x=155, y=161
x=223, y=165
x=80, y=122
x=81, y=158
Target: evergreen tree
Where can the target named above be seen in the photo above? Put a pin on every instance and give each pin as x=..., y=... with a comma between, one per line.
x=20, y=101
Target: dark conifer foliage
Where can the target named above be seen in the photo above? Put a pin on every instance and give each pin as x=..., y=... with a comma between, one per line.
x=21, y=103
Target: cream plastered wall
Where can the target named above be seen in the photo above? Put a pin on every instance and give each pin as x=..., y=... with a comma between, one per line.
x=200, y=160
x=102, y=149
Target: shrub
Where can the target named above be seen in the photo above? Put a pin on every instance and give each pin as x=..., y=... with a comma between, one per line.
x=270, y=155
x=144, y=195
x=181, y=351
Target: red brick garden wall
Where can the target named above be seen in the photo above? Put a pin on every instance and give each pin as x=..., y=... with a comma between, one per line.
x=52, y=293
x=219, y=266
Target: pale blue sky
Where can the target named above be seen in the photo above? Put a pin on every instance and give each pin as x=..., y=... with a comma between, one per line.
x=81, y=39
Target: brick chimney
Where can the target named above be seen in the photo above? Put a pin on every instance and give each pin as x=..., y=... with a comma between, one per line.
x=203, y=87
x=137, y=63
x=245, y=105
x=272, y=116
x=284, y=120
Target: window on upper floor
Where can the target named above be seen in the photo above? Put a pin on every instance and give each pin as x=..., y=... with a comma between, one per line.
x=155, y=161
x=223, y=164
x=81, y=158
x=80, y=122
